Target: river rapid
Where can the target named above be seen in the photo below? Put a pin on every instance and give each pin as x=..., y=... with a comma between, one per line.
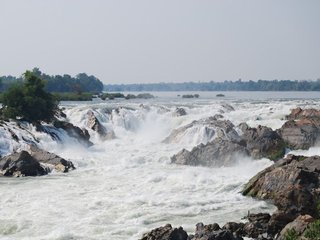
x=127, y=186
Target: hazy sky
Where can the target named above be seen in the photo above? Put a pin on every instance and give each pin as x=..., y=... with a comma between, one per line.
x=131, y=41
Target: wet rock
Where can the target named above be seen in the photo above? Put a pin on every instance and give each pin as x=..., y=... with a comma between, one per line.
x=94, y=124
x=279, y=220
x=217, y=153
x=166, y=233
x=203, y=231
x=263, y=142
x=60, y=114
x=301, y=134
x=292, y=184
x=51, y=160
x=211, y=127
x=21, y=164
x=82, y=135
x=235, y=228
x=180, y=112
x=228, y=107
x=299, y=113
x=299, y=225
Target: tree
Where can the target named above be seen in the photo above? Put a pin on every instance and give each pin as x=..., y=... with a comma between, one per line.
x=29, y=100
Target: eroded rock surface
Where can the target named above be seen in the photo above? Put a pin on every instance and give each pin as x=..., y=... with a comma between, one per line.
x=94, y=124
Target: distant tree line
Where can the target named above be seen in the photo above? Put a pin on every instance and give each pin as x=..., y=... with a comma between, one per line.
x=59, y=83
x=260, y=85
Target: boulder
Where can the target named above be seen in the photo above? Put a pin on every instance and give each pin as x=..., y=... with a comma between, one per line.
x=36, y=162
x=299, y=113
x=166, y=233
x=212, y=127
x=299, y=225
x=219, y=152
x=301, y=134
x=21, y=164
x=212, y=232
x=94, y=124
x=51, y=160
x=82, y=135
x=257, y=225
x=262, y=142
x=291, y=183
x=178, y=112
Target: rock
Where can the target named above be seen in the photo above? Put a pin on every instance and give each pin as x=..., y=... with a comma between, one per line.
x=222, y=235
x=52, y=160
x=203, y=231
x=299, y=225
x=212, y=232
x=211, y=127
x=60, y=114
x=166, y=233
x=94, y=124
x=292, y=184
x=259, y=217
x=235, y=228
x=257, y=225
x=299, y=113
x=301, y=134
x=228, y=107
x=263, y=142
x=21, y=164
x=278, y=221
x=217, y=153
x=180, y=112
x=81, y=135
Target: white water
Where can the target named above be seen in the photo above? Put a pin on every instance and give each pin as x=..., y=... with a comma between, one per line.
x=127, y=186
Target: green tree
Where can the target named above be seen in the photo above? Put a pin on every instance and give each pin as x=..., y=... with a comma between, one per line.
x=29, y=100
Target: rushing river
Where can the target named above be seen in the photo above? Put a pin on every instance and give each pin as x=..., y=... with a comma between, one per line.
x=127, y=186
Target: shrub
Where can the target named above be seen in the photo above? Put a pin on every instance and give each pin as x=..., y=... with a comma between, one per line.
x=291, y=234
x=29, y=100
x=313, y=231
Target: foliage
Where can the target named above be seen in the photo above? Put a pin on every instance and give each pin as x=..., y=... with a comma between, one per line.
x=29, y=100
x=73, y=96
x=111, y=96
x=57, y=83
x=291, y=234
x=260, y=85
x=313, y=231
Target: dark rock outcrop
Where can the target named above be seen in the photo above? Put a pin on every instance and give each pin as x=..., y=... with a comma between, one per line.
x=179, y=111
x=36, y=163
x=301, y=134
x=166, y=233
x=217, y=153
x=94, y=124
x=292, y=184
x=81, y=135
x=51, y=160
x=262, y=142
x=21, y=164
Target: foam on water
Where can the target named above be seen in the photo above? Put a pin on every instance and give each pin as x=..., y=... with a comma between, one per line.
x=127, y=186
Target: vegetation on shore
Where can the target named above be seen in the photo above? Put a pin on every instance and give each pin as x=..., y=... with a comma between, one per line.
x=29, y=100
x=260, y=85
x=59, y=83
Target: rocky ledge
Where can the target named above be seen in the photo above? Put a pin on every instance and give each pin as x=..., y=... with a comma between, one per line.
x=34, y=162
x=292, y=184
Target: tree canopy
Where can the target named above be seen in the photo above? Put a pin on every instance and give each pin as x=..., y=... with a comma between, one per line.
x=29, y=100
x=60, y=83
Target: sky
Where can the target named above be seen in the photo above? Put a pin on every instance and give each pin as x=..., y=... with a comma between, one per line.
x=140, y=41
